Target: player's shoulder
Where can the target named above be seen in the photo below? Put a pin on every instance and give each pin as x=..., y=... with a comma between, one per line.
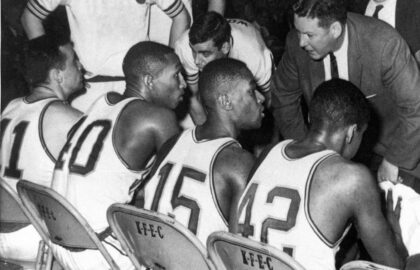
x=347, y=173
x=144, y=115
x=235, y=157
x=57, y=111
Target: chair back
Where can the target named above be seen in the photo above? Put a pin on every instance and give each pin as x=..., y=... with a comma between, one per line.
x=55, y=217
x=155, y=240
x=233, y=252
x=12, y=213
x=365, y=265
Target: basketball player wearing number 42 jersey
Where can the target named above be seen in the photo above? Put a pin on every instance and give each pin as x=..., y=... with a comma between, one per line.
x=303, y=195
x=279, y=189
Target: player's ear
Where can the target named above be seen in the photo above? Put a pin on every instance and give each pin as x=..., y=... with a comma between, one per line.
x=224, y=102
x=351, y=131
x=148, y=80
x=56, y=75
x=336, y=29
x=226, y=47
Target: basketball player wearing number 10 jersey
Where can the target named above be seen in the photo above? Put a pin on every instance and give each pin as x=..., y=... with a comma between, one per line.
x=112, y=148
x=201, y=174
x=303, y=195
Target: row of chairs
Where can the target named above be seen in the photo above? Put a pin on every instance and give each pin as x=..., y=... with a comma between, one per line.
x=150, y=239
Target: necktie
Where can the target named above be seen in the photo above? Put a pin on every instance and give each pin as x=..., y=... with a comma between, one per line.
x=377, y=9
x=334, y=69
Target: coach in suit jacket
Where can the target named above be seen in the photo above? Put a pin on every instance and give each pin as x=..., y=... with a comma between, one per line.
x=372, y=56
x=407, y=18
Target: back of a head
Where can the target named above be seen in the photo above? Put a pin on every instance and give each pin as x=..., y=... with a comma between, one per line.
x=41, y=56
x=337, y=104
x=326, y=11
x=217, y=78
x=145, y=58
x=210, y=26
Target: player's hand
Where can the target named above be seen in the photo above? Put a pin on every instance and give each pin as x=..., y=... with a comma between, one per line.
x=393, y=214
x=388, y=172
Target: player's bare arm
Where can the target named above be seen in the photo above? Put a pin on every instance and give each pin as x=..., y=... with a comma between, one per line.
x=196, y=109
x=57, y=122
x=180, y=23
x=144, y=128
x=232, y=168
x=371, y=224
x=31, y=24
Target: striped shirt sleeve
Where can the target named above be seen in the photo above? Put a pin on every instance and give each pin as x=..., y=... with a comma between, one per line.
x=171, y=7
x=184, y=52
x=42, y=8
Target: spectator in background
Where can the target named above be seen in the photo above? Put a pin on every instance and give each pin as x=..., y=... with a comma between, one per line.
x=102, y=32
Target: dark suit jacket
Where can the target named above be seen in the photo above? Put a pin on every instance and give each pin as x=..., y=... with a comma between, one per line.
x=381, y=65
x=407, y=19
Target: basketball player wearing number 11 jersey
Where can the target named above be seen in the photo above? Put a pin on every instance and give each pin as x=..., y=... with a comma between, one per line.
x=303, y=195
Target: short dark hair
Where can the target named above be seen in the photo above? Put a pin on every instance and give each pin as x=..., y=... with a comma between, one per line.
x=145, y=58
x=42, y=55
x=326, y=11
x=210, y=26
x=217, y=78
x=336, y=104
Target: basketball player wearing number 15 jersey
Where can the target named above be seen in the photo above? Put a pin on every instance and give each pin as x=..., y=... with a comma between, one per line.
x=303, y=195
x=112, y=148
x=203, y=173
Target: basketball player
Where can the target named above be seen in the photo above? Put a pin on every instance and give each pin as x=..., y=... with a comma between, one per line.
x=212, y=37
x=304, y=195
x=112, y=148
x=34, y=129
x=201, y=173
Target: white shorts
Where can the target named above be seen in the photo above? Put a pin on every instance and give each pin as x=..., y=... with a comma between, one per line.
x=21, y=245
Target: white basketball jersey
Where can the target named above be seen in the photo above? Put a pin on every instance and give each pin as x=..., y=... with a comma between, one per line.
x=89, y=172
x=24, y=154
x=183, y=185
x=274, y=208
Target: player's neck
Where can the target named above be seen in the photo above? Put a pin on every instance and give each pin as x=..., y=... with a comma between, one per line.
x=214, y=128
x=42, y=91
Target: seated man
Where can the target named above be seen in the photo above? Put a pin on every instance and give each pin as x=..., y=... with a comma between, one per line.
x=112, y=148
x=201, y=173
x=304, y=195
x=34, y=129
x=212, y=37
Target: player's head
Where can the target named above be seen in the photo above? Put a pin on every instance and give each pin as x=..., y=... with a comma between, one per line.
x=227, y=87
x=52, y=62
x=209, y=38
x=338, y=108
x=319, y=24
x=155, y=70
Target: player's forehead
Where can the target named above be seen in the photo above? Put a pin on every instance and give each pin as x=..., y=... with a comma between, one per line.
x=172, y=63
x=207, y=46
